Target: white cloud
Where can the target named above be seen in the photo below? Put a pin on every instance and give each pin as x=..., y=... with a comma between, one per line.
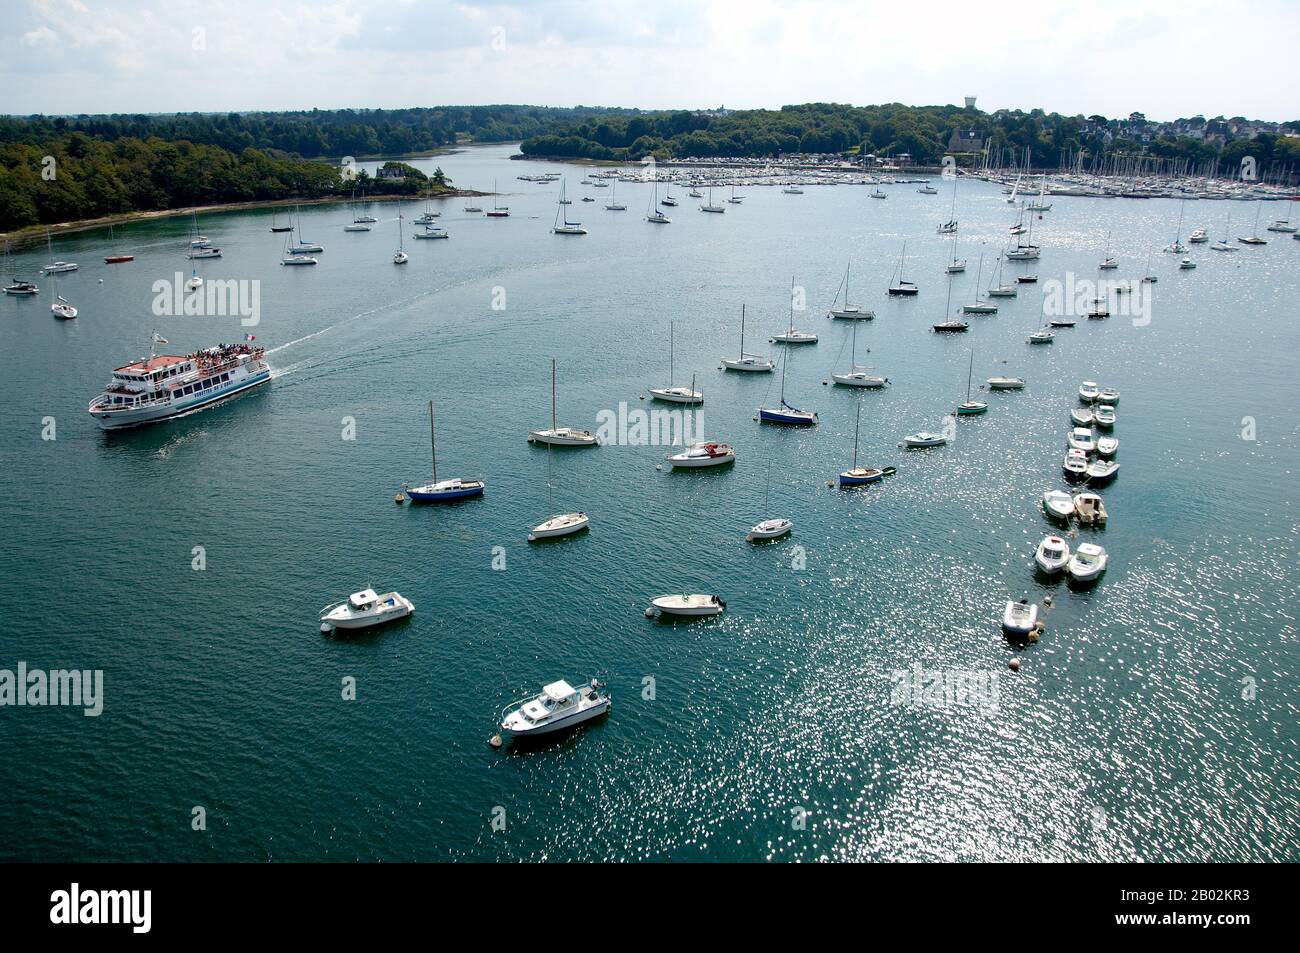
x=41, y=36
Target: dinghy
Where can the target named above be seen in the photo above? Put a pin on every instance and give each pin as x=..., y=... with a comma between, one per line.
x=566, y=524
x=1058, y=504
x=770, y=529
x=1020, y=618
x=1006, y=383
x=1102, y=471
x=1107, y=446
x=1105, y=416
x=1088, y=391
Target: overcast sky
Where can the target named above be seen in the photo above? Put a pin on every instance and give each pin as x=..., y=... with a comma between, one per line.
x=1167, y=59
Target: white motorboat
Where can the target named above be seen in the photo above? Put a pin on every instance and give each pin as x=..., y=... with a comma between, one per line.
x=194, y=282
x=401, y=258
x=1107, y=446
x=923, y=439
x=1075, y=464
x=364, y=609
x=1105, y=416
x=356, y=227
x=703, y=455
x=1198, y=236
x=1052, y=555
x=1186, y=264
x=566, y=524
x=1088, y=391
x=1020, y=618
x=747, y=362
x=770, y=529
x=59, y=267
x=1101, y=471
x=1058, y=504
x=1005, y=383
x=1090, y=510
x=1108, y=395
x=289, y=260
x=1082, y=438
x=694, y=604
x=559, y=707
x=1108, y=264
x=204, y=253
x=1088, y=562
x=1082, y=416
x=561, y=436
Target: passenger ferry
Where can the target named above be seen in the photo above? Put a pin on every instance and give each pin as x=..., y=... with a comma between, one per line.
x=164, y=386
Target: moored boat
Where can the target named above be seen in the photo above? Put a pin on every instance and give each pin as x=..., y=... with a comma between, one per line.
x=365, y=609
x=558, y=707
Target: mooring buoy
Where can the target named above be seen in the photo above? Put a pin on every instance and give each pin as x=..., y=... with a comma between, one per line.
x=649, y=612
x=495, y=741
x=1014, y=665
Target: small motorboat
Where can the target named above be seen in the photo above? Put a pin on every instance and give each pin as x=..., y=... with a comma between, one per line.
x=1088, y=562
x=1107, y=446
x=1088, y=391
x=1005, y=383
x=204, y=253
x=1082, y=416
x=59, y=267
x=1198, y=236
x=1090, y=510
x=703, y=455
x=566, y=524
x=1102, y=471
x=1075, y=465
x=1186, y=264
x=928, y=190
x=923, y=439
x=861, y=476
x=559, y=707
x=364, y=609
x=356, y=227
x=1108, y=395
x=1058, y=504
x=1020, y=618
x=694, y=604
x=1105, y=416
x=1099, y=311
x=1052, y=555
x=769, y=529
x=1082, y=438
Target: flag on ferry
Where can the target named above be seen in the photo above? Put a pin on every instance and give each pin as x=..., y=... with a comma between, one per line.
x=249, y=337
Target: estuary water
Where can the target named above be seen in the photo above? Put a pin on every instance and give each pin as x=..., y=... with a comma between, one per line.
x=1155, y=720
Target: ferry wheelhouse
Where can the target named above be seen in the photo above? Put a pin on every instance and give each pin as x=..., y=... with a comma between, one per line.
x=163, y=386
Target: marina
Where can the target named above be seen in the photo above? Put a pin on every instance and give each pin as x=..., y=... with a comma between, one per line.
x=293, y=503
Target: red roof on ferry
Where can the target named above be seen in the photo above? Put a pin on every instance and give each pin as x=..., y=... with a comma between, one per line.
x=152, y=364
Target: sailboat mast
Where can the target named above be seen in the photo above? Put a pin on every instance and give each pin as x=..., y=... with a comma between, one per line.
x=857, y=419
x=969, y=372
x=791, y=304
x=552, y=396
x=433, y=444
x=742, y=332
x=671, y=330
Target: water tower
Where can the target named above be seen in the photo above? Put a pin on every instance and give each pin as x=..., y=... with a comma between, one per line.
x=970, y=102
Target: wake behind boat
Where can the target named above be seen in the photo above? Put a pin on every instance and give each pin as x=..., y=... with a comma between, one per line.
x=163, y=386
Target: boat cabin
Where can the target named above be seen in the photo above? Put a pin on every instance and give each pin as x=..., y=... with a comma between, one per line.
x=554, y=698
x=364, y=599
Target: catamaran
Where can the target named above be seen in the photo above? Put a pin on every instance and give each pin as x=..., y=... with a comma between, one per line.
x=161, y=387
x=441, y=491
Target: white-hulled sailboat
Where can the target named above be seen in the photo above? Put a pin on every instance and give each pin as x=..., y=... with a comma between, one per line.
x=561, y=436
x=564, y=226
x=851, y=312
x=857, y=375
x=790, y=335
x=672, y=393
x=746, y=362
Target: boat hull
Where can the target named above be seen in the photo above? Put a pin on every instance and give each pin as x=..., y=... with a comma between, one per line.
x=125, y=419
x=799, y=419
x=571, y=720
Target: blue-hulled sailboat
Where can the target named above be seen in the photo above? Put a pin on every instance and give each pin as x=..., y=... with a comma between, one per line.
x=441, y=491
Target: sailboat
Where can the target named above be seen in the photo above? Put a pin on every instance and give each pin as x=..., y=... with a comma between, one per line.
x=276, y=227
x=1177, y=247
x=746, y=362
x=1038, y=205
x=1253, y=238
x=365, y=218
x=735, y=199
x=856, y=475
x=497, y=211
x=774, y=527
x=790, y=335
x=18, y=286
x=709, y=206
x=653, y=214
x=437, y=491
x=950, y=226
x=957, y=265
x=902, y=288
x=852, y=312
x=194, y=282
x=1108, y=263
x=302, y=246
x=614, y=205
x=61, y=308
x=116, y=259
x=672, y=394
x=950, y=325
x=1001, y=290
x=400, y=257
x=977, y=306
x=784, y=413
x=563, y=524
x=857, y=376
x=561, y=436
x=668, y=196
x=971, y=408
x=567, y=227
x=356, y=225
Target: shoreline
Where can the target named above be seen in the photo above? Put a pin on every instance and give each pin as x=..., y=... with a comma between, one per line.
x=34, y=233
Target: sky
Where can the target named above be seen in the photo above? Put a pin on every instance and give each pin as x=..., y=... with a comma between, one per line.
x=1165, y=58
